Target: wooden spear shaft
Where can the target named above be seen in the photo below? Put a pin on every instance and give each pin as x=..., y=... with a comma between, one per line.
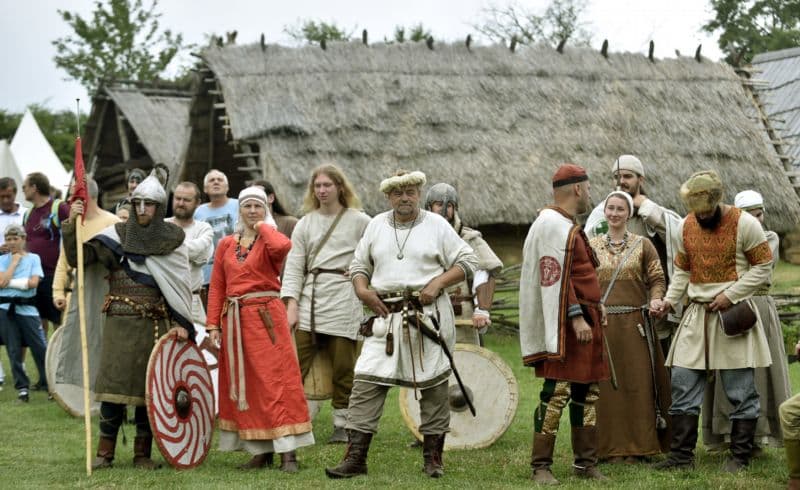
x=87, y=408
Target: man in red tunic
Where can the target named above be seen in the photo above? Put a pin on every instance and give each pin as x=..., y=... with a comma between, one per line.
x=560, y=325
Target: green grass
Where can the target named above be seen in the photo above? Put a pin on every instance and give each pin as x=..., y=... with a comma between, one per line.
x=786, y=278
x=40, y=445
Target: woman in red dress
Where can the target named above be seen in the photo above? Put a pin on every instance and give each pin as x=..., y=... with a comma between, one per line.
x=262, y=407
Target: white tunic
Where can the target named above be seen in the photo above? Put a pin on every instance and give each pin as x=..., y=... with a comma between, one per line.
x=749, y=350
x=199, y=243
x=431, y=248
x=337, y=310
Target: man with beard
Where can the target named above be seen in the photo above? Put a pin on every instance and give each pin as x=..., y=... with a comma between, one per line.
x=404, y=261
x=722, y=259
x=199, y=246
x=560, y=328
x=650, y=220
x=472, y=300
x=148, y=296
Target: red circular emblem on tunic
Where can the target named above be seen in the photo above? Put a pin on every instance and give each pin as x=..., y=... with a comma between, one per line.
x=549, y=271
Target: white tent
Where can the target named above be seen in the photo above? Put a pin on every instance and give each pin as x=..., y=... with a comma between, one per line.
x=33, y=153
x=8, y=168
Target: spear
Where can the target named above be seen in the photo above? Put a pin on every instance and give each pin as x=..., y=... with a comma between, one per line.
x=81, y=193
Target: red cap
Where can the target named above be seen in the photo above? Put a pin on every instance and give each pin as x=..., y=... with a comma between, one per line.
x=569, y=173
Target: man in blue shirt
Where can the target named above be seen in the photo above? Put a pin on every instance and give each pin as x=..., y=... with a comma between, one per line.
x=220, y=212
x=20, y=273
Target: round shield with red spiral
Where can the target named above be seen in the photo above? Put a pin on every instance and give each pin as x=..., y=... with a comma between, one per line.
x=180, y=402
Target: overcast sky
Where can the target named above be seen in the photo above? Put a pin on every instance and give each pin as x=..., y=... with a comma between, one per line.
x=29, y=74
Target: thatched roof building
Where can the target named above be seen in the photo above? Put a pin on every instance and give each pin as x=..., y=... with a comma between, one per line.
x=134, y=128
x=492, y=122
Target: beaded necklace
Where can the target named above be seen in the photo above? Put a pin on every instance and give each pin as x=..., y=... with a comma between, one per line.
x=617, y=247
x=241, y=255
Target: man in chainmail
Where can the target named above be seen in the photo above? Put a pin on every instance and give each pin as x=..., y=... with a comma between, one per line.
x=148, y=296
x=472, y=300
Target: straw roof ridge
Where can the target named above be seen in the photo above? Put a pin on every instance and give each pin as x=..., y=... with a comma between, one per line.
x=494, y=123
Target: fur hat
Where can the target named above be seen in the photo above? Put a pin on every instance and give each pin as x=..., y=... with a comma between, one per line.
x=703, y=192
x=403, y=179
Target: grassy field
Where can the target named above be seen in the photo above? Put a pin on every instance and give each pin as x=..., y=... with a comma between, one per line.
x=42, y=446
x=786, y=278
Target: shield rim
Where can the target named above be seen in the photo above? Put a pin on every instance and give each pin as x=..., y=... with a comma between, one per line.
x=150, y=407
x=55, y=340
x=502, y=366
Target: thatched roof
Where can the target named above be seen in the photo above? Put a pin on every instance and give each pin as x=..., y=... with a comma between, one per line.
x=494, y=123
x=132, y=127
x=782, y=97
x=160, y=122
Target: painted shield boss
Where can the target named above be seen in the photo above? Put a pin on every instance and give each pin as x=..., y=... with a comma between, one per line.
x=493, y=390
x=180, y=402
x=68, y=396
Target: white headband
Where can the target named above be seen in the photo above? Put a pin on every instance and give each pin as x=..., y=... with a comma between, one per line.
x=627, y=197
x=748, y=200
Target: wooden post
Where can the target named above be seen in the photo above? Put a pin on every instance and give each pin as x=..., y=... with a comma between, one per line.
x=123, y=136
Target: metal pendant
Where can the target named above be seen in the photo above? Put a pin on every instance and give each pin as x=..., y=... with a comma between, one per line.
x=400, y=256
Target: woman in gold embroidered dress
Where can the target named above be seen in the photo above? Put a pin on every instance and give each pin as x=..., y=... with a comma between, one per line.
x=632, y=420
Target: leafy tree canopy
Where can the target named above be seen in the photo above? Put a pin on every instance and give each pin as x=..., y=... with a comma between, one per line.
x=414, y=33
x=313, y=32
x=560, y=22
x=123, y=40
x=750, y=27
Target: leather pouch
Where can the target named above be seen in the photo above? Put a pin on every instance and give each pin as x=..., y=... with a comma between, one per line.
x=737, y=319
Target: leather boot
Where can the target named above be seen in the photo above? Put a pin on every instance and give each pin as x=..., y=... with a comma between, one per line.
x=743, y=432
x=792, y=447
x=258, y=461
x=542, y=459
x=684, y=439
x=105, y=453
x=432, y=449
x=289, y=462
x=355, y=457
x=142, y=446
x=339, y=435
x=584, y=449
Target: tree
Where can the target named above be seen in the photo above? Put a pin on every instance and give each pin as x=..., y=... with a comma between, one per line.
x=313, y=32
x=754, y=26
x=560, y=22
x=415, y=33
x=122, y=41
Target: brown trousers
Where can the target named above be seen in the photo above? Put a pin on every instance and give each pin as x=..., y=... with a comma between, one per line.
x=343, y=354
x=366, y=408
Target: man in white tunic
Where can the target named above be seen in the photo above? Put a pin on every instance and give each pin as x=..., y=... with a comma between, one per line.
x=321, y=305
x=199, y=243
x=722, y=258
x=402, y=265
x=472, y=300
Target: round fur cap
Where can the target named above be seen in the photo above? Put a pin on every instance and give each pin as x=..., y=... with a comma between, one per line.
x=415, y=178
x=702, y=192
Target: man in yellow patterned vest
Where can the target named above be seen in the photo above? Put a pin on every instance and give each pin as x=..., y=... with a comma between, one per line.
x=722, y=258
